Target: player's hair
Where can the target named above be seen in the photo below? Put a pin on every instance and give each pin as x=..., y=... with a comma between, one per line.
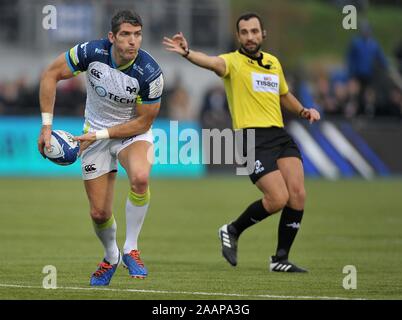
x=247, y=16
x=125, y=16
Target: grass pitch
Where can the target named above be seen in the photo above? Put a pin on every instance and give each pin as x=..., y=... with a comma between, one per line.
x=348, y=222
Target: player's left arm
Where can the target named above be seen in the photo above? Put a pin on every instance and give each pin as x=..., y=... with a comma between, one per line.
x=146, y=114
x=290, y=102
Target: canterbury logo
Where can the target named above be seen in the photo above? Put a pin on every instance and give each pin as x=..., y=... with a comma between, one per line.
x=96, y=73
x=89, y=168
x=294, y=225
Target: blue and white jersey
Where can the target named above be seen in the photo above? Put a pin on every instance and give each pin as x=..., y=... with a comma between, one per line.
x=114, y=92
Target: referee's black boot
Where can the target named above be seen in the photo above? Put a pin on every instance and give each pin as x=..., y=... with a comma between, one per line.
x=229, y=244
x=283, y=265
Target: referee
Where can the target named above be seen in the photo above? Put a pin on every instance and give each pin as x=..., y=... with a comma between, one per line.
x=256, y=89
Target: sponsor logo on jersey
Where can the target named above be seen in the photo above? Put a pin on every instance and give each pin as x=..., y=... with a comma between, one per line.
x=139, y=69
x=103, y=93
x=100, y=91
x=131, y=90
x=102, y=51
x=150, y=68
x=84, y=48
x=96, y=73
x=265, y=82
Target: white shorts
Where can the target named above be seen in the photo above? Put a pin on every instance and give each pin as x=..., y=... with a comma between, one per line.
x=101, y=156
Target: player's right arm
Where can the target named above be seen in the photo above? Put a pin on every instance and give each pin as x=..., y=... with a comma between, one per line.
x=178, y=44
x=56, y=71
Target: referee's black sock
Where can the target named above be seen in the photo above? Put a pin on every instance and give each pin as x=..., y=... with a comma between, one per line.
x=289, y=224
x=252, y=215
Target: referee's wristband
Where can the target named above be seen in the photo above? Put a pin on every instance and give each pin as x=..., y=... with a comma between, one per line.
x=102, y=134
x=301, y=113
x=187, y=53
x=47, y=118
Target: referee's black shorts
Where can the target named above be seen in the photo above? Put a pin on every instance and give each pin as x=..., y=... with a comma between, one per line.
x=271, y=144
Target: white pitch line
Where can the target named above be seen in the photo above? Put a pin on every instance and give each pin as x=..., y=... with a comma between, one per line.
x=183, y=292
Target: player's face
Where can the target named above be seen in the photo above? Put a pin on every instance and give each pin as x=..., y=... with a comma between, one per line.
x=250, y=35
x=127, y=41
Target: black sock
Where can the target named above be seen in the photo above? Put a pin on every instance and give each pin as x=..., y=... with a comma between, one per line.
x=252, y=215
x=289, y=224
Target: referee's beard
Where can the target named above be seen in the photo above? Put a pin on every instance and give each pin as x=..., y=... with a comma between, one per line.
x=251, y=52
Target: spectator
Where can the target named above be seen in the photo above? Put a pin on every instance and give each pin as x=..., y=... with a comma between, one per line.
x=365, y=60
x=214, y=109
x=178, y=103
x=398, y=56
x=323, y=95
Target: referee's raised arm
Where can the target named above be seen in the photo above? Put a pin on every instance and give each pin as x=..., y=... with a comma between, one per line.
x=178, y=44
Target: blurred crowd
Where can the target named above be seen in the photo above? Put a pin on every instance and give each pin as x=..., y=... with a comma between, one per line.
x=19, y=98
x=367, y=86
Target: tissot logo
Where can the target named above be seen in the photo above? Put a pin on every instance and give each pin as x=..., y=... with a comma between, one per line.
x=96, y=73
x=89, y=168
x=265, y=82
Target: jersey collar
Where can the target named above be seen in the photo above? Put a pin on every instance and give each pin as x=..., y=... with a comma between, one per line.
x=251, y=57
x=259, y=59
x=123, y=67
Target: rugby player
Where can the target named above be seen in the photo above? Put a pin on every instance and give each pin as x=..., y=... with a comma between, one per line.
x=124, y=88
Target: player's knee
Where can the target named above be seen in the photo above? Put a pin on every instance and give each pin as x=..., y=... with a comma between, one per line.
x=140, y=182
x=99, y=216
x=282, y=200
x=276, y=203
x=297, y=195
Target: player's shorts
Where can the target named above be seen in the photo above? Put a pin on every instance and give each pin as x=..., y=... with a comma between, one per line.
x=101, y=157
x=271, y=144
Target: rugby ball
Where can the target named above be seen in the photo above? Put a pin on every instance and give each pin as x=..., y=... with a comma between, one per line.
x=63, y=149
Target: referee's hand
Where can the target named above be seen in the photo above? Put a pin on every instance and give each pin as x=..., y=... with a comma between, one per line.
x=177, y=43
x=311, y=115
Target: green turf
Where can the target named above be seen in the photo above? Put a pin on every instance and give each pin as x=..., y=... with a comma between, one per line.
x=45, y=222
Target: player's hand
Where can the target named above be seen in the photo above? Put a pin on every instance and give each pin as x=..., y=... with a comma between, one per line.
x=177, y=43
x=311, y=115
x=85, y=141
x=44, y=140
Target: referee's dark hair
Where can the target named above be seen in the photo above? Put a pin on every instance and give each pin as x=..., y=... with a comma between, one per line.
x=247, y=16
x=125, y=16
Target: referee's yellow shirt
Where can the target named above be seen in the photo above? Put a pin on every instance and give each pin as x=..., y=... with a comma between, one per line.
x=253, y=89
